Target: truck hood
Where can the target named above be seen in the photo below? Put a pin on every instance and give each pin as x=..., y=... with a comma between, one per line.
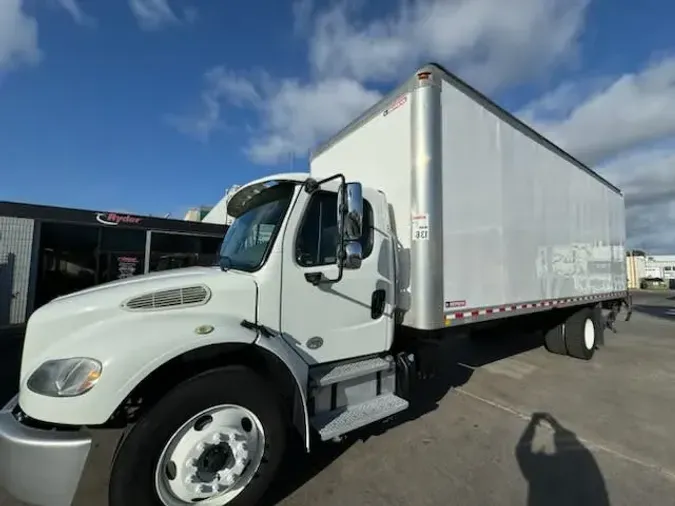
x=188, y=275
x=93, y=312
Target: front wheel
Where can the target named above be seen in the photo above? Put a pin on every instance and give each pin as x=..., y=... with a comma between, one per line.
x=215, y=440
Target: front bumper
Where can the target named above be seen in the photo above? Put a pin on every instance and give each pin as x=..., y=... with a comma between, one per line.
x=37, y=466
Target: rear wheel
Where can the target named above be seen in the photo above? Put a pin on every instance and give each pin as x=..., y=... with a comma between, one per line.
x=215, y=440
x=600, y=325
x=581, y=334
x=554, y=340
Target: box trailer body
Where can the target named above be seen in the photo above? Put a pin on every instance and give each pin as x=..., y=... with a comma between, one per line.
x=432, y=215
x=491, y=218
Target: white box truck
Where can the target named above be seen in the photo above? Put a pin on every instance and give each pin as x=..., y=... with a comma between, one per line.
x=432, y=214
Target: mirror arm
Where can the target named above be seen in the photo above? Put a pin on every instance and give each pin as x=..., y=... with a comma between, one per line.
x=317, y=278
x=331, y=178
x=311, y=185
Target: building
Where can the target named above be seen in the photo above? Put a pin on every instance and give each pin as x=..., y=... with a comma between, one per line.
x=48, y=251
x=661, y=266
x=218, y=213
x=197, y=213
x=650, y=266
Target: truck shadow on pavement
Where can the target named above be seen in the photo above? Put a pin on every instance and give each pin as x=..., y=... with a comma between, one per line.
x=462, y=356
x=569, y=474
x=664, y=312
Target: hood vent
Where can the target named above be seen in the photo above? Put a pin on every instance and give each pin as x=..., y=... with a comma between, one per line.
x=169, y=299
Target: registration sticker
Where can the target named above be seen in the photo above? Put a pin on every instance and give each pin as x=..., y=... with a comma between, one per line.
x=420, y=227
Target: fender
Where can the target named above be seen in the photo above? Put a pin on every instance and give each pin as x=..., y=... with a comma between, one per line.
x=130, y=347
x=299, y=370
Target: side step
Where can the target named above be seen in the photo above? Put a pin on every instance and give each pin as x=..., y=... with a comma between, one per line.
x=334, y=373
x=343, y=420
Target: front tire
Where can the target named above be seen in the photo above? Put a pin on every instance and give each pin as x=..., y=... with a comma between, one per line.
x=217, y=439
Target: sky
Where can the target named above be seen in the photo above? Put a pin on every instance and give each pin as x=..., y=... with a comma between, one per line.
x=156, y=106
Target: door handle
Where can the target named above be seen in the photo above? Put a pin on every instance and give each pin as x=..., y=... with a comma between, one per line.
x=377, y=303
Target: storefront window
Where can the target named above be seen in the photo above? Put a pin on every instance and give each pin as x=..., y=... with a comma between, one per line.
x=68, y=260
x=209, y=250
x=121, y=253
x=174, y=251
x=73, y=257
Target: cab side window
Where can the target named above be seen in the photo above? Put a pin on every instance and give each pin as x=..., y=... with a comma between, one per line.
x=318, y=236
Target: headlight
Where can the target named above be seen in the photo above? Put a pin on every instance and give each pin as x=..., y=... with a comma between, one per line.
x=68, y=377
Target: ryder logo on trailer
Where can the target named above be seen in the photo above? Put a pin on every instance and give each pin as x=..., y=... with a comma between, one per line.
x=397, y=103
x=451, y=304
x=115, y=219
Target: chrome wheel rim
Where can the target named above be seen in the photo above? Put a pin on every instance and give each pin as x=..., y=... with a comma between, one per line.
x=211, y=458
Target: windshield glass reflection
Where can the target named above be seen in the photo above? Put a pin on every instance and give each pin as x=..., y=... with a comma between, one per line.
x=251, y=235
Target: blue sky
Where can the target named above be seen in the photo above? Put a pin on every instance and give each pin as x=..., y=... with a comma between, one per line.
x=154, y=106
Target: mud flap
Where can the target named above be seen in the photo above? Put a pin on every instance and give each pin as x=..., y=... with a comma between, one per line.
x=628, y=301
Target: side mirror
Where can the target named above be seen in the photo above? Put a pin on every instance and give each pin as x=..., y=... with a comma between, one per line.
x=350, y=221
x=349, y=252
x=353, y=254
x=350, y=211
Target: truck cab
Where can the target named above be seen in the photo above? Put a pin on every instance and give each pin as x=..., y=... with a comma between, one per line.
x=288, y=237
x=301, y=307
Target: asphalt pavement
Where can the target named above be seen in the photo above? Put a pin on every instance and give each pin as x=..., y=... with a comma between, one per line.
x=505, y=424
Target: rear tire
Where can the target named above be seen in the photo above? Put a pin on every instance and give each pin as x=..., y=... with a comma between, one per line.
x=139, y=479
x=554, y=340
x=581, y=336
x=600, y=325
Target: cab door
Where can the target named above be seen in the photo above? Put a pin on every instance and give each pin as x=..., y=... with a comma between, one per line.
x=348, y=318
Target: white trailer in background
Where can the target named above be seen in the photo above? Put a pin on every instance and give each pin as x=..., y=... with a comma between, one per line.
x=433, y=214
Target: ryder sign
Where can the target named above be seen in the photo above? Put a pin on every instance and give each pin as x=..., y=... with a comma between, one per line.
x=116, y=219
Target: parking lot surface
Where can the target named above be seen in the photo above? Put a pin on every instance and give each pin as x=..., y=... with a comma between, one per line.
x=506, y=424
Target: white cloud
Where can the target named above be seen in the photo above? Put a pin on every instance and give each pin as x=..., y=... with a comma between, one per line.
x=609, y=116
x=73, y=8
x=156, y=14
x=302, y=15
x=19, y=32
x=489, y=45
x=18, y=36
x=222, y=87
x=647, y=177
x=293, y=116
x=297, y=117
x=485, y=42
x=624, y=125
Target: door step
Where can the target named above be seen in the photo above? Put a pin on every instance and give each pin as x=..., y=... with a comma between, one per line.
x=325, y=375
x=343, y=420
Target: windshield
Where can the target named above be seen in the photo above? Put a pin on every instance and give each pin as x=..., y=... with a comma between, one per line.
x=251, y=235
